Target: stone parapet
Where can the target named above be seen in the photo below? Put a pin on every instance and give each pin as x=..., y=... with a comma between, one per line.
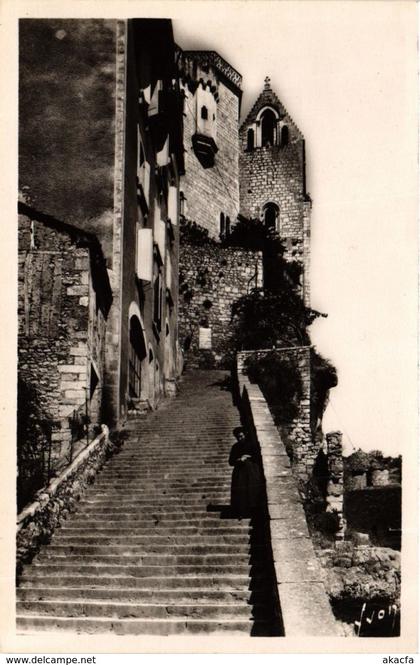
x=297, y=435
x=305, y=609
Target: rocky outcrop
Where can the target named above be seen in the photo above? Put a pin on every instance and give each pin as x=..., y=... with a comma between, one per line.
x=362, y=573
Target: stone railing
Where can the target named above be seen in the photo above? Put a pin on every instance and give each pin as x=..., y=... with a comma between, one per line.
x=303, y=601
x=37, y=521
x=298, y=432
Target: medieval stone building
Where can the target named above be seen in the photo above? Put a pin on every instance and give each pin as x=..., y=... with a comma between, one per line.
x=212, y=89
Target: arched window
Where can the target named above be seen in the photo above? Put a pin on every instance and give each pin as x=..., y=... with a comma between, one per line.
x=222, y=225
x=271, y=215
x=137, y=355
x=250, y=139
x=227, y=226
x=268, y=128
x=284, y=136
x=204, y=113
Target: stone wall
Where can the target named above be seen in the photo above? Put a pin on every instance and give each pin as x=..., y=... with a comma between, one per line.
x=297, y=435
x=211, y=279
x=38, y=521
x=215, y=190
x=304, y=605
x=335, y=485
x=375, y=511
x=61, y=327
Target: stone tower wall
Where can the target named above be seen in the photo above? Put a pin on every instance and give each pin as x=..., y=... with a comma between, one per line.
x=277, y=174
x=214, y=190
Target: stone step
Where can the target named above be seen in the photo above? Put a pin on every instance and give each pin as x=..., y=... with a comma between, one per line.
x=123, y=549
x=159, y=530
x=196, y=457
x=209, y=520
x=157, y=596
x=152, y=540
x=158, y=476
x=175, y=444
x=220, y=582
x=146, y=483
x=181, y=485
x=128, y=610
x=130, y=513
x=165, y=473
x=220, y=560
x=131, y=496
x=197, y=465
x=44, y=568
x=149, y=505
x=143, y=627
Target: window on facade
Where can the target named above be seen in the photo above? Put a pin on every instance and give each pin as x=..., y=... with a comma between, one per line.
x=204, y=113
x=137, y=353
x=250, y=139
x=284, y=136
x=271, y=215
x=268, y=128
x=222, y=225
x=227, y=226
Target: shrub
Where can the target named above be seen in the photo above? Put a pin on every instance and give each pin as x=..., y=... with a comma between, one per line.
x=281, y=383
x=33, y=432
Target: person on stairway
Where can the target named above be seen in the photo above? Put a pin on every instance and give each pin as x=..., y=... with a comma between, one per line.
x=245, y=496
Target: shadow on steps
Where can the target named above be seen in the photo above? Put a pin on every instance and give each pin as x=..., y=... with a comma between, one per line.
x=266, y=612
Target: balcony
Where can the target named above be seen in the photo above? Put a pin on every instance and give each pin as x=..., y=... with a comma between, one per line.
x=205, y=149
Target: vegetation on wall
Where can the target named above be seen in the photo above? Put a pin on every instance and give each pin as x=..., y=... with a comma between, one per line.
x=33, y=437
x=276, y=317
x=280, y=383
x=323, y=378
x=194, y=234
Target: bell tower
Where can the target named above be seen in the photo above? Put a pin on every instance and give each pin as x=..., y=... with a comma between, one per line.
x=272, y=176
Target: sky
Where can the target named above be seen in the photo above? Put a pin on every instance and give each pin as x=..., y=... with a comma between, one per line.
x=346, y=72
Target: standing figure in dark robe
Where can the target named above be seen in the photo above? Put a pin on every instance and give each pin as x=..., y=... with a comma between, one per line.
x=246, y=477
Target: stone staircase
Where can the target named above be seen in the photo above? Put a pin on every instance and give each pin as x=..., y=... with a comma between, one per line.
x=152, y=548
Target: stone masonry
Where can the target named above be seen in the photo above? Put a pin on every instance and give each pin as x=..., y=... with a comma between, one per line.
x=211, y=279
x=212, y=191
x=61, y=323
x=297, y=435
x=335, y=486
x=276, y=173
